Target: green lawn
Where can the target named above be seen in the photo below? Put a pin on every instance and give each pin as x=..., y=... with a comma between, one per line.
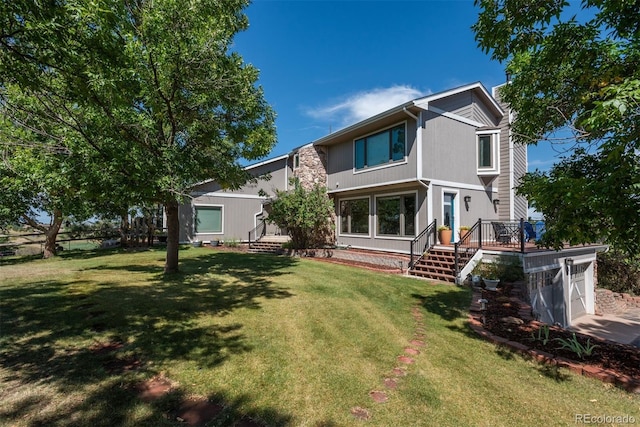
x=291, y=342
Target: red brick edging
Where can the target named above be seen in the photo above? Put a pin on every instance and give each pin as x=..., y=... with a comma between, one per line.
x=625, y=382
x=407, y=358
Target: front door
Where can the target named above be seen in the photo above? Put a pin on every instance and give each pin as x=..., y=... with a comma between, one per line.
x=449, y=212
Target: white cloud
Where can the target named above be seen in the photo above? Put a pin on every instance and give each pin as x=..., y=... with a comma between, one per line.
x=540, y=164
x=362, y=105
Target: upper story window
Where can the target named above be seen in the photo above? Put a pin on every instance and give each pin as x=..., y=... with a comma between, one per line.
x=296, y=161
x=380, y=148
x=488, y=152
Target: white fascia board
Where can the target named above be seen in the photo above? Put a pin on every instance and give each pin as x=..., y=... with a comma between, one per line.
x=226, y=195
x=394, y=110
x=462, y=185
x=367, y=186
x=266, y=162
x=420, y=103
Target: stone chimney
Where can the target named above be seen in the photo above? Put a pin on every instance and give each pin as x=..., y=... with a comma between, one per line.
x=312, y=166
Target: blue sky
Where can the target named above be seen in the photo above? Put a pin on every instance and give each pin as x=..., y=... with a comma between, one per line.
x=327, y=64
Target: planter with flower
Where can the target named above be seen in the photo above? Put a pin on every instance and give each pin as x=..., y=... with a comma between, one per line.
x=464, y=230
x=444, y=235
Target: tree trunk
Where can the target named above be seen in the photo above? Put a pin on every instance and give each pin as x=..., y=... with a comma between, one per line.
x=51, y=235
x=124, y=230
x=173, y=237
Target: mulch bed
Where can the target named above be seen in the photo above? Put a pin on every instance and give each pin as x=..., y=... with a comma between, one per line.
x=504, y=319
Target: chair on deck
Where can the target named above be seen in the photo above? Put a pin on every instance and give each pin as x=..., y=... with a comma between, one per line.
x=501, y=232
x=529, y=232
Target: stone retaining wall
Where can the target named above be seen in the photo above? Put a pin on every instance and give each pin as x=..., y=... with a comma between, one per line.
x=391, y=261
x=609, y=302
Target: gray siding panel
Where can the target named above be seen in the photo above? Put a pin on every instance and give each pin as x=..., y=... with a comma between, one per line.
x=449, y=150
x=278, y=171
x=469, y=105
x=480, y=205
x=505, y=184
x=521, y=204
x=482, y=114
x=238, y=217
x=461, y=104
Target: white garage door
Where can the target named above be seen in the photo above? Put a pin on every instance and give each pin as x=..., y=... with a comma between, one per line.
x=578, y=293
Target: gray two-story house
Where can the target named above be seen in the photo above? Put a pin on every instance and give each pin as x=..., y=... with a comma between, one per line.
x=443, y=159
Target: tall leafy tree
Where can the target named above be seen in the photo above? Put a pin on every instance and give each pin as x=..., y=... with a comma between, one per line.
x=148, y=89
x=40, y=174
x=36, y=177
x=575, y=79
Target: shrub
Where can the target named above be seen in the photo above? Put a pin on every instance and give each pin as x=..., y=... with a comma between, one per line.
x=306, y=215
x=505, y=268
x=232, y=242
x=619, y=272
x=510, y=269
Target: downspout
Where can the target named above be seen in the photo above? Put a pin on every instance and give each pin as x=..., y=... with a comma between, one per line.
x=286, y=173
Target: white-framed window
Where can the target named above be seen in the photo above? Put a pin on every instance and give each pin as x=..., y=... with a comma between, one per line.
x=380, y=148
x=296, y=161
x=396, y=215
x=354, y=216
x=488, y=152
x=208, y=219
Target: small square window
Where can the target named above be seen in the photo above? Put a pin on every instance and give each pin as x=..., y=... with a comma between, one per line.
x=487, y=153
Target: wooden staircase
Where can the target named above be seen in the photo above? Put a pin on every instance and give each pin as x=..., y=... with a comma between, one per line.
x=268, y=245
x=439, y=264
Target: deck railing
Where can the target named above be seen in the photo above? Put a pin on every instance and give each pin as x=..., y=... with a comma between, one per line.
x=259, y=231
x=485, y=232
x=421, y=244
x=469, y=243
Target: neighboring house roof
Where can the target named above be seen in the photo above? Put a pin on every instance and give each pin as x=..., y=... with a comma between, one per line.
x=416, y=105
x=248, y=167
x=266, y=162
